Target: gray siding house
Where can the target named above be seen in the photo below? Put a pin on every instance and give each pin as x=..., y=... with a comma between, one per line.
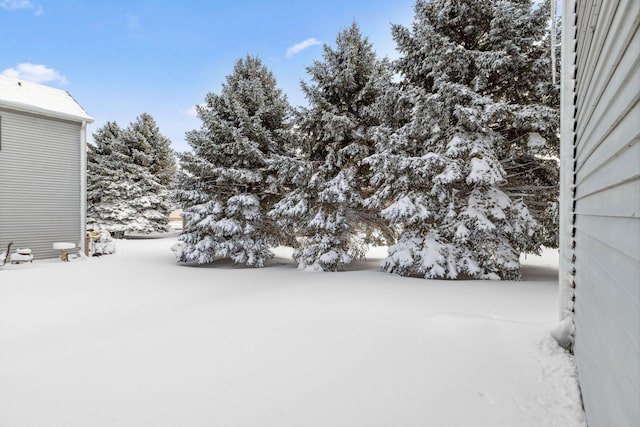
x=600, y=204
x=42, y=167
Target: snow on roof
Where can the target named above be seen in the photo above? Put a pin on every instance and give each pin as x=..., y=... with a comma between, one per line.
x=26, y=96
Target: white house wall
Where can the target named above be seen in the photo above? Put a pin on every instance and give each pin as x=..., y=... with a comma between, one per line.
x=40, y=182
x=601, y=133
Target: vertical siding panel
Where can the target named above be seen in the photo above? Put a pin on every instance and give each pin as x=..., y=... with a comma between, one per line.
x=40, y=176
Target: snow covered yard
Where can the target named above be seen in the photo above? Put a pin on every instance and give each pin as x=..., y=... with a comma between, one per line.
x=134, y=339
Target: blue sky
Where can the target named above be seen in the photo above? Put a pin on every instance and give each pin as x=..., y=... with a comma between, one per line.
x=122, y=58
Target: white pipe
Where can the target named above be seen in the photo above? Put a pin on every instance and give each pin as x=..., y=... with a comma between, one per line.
x=83, y=187
x=567, y=89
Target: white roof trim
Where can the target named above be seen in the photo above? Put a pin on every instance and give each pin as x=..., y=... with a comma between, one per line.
x=34, y=98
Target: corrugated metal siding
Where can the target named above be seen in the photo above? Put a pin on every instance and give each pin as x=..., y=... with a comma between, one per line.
x=40, y=187
x=606, y=210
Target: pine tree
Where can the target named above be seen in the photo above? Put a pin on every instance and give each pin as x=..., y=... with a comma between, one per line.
x=112, y=183
x=107, y=189
x=439, y=164
x=151, y=151
x=504, y=50
x=227, y=183
x=530, y=160
x=126, y=175
x=334, y=224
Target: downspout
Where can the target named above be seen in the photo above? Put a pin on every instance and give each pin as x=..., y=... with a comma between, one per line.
x=83, y=187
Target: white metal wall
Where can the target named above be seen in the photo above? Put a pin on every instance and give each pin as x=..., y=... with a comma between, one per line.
x=40, y=182
x=602, y=204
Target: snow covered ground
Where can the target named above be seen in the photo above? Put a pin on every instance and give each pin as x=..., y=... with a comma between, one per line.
x=134, y=339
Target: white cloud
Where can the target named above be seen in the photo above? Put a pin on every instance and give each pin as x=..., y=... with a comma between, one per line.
x=132, y=21
x=21, y=5
x=297, y=48
x=192, y=111
x=16, y=4
x=35, y=73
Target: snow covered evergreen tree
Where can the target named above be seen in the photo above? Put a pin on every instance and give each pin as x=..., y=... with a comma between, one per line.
x=504, y=46
x=334, y=224
x=126, y=175
x=468, y=107
x=531, y=159
x=104, y=183
x=228, y=183
x=151, y=151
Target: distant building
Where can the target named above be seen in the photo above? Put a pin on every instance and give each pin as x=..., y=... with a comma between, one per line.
x=42, y=167
x=600, y=204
